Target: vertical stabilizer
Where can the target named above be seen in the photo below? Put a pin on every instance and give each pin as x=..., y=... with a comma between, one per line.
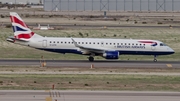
x=21, y=30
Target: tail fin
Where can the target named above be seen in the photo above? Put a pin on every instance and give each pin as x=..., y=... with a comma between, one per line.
x=21, y=30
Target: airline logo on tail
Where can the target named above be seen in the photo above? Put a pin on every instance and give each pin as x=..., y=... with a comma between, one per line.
x=21, y=30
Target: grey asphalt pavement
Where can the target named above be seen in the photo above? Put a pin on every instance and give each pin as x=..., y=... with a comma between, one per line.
x=73, y=95
x=97, y=63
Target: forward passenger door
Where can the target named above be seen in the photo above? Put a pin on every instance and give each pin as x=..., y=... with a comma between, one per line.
x=44, y=43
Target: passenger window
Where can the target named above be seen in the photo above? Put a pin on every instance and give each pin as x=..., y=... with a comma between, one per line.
x=61, y=42
x=129, y=44
x=86, y=42
x=114, y=43
x=89, y=42
x=50, y=41
x=82, y=42
x=65, y=42
x=94, y=43
x=69, y=42
x=54, y=42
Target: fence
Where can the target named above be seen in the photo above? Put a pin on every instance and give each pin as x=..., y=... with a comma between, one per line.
x=111, y=5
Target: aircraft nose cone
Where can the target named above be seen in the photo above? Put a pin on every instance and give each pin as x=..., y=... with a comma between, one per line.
x=171, y=50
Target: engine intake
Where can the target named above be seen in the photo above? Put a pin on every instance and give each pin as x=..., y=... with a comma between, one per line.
x=111, y=55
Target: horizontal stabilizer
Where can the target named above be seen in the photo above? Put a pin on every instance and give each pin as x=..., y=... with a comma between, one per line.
x=12, y=39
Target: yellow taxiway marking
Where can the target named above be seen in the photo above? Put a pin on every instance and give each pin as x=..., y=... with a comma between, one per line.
x=47, y=90
x=169, y=65
x=48, y=99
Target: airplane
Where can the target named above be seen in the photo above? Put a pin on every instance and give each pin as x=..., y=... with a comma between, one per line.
x=107, y=48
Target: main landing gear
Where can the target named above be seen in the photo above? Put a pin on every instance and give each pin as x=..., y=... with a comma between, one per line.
x=155, y=60
x=91, y=58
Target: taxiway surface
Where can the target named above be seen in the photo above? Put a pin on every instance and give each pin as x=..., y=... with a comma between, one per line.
x=58, y=95
x=97, y=63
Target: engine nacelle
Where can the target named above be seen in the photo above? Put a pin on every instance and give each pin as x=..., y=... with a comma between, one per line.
x=111, y=55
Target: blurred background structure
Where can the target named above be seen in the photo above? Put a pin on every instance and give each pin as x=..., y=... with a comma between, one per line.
x=111, y=5
x=96, y=5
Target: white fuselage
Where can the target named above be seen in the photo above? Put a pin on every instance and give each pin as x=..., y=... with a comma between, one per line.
x=124, y=46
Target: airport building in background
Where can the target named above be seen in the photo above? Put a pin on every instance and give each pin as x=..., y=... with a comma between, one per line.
x=112, y=5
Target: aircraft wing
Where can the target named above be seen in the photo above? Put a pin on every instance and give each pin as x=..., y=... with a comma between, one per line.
x=91, y=49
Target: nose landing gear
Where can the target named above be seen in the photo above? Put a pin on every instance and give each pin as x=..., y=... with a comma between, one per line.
x=155, y=60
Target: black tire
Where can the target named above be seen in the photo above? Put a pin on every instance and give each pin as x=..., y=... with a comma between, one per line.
x=155, y=60
x=91, y=59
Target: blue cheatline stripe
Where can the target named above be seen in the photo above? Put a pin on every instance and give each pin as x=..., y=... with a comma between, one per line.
x=120, y=52
x=16, y=28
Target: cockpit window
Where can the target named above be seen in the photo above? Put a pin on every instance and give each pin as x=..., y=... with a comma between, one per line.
x=162, y=44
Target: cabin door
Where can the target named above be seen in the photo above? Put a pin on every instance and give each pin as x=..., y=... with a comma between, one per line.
x=44, y=44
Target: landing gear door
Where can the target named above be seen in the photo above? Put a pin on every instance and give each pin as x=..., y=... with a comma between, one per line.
x=44, y=44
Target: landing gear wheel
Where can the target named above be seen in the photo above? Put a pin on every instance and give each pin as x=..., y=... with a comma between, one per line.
x=91, y=58
x=155, y=60
x=155, y=56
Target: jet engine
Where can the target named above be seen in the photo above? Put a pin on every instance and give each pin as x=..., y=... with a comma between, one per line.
x=111, y=55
